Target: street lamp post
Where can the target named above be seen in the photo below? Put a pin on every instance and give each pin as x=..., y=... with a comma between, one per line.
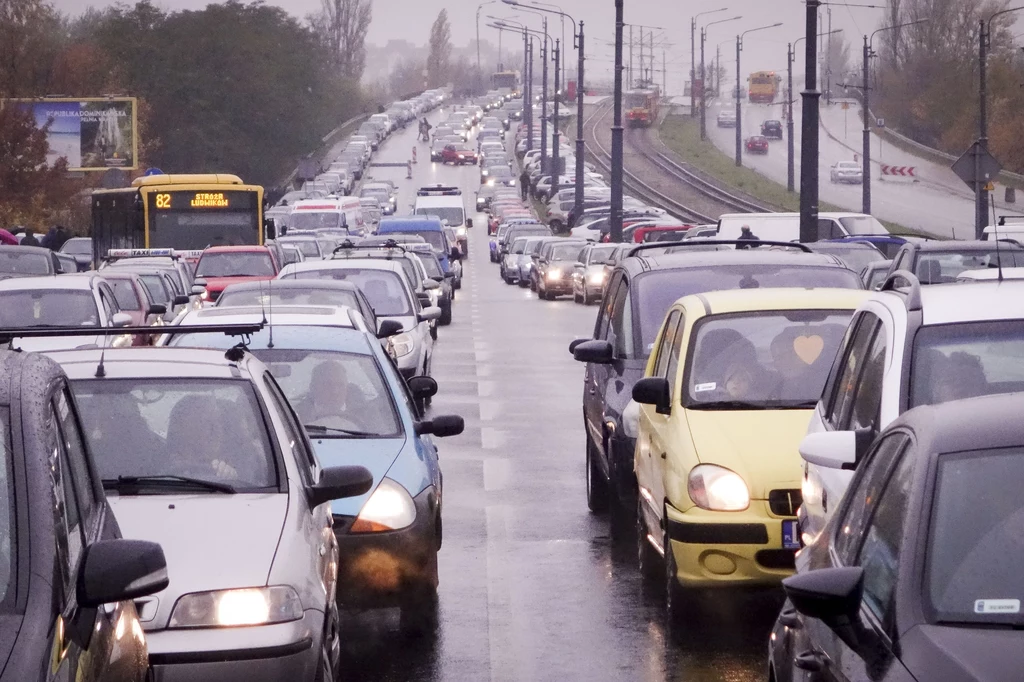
x=555, y=147
x=545, y=55
x=809, y=131
x=739, y=121
x=704, y=76
x=479, y=69
x=693, y=57
x=791, y=143
x=615, y=218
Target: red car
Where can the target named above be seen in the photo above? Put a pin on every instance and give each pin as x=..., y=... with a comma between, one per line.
x=458, y=155
x=758, y=144
x=224, y=265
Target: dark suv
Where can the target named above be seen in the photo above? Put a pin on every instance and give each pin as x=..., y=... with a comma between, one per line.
x=772, y=130
x=639, y=292
x=939, y=262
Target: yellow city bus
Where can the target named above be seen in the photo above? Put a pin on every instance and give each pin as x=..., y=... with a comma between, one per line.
x=182, y=212
x=763, y=87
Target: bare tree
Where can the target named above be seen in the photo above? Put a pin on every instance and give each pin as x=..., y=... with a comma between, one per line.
x=439, y=58
x=343, y=24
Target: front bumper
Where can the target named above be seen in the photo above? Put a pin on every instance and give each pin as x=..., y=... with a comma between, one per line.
x=378, y=570
x=558, y=286
x=286, y=651
x=729, y=549
x=850, y=179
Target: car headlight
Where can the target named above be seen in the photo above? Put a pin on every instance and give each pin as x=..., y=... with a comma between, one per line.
x=631, y=419
x=597, y=277
x=234, y=608
x=403, y=344
x=717, y=489
x=511, y=183
x=490, y=183
x=486, y=172
x=390, y=507
x=460, y=232
x=554, y=274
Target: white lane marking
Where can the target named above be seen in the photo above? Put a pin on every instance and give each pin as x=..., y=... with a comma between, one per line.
x=504, y=662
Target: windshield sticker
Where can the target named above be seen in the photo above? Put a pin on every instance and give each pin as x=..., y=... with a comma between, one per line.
x=997, y=606
x=808, y=348
x=701, y=388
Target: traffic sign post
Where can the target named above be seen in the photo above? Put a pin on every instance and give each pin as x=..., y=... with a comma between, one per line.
x=979, y=170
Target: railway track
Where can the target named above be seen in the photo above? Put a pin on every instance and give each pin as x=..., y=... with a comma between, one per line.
x=675, y=184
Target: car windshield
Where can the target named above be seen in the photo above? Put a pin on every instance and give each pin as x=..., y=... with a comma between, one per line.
x=432, y=237
x=308, y=247
x=453, y=214
x=603, y=255
x=965, y=360
x=848, y=166
x=518, y=246
x=48, y=308
x=155, y=287
x=564, y=252
x=975, y=548
x=312, y=220
x=8, y=540
x=862, y=224
x=207, y=429
x=125, y=294
x=430, y=264
x=763, y=360
x=14, y=262
x=271, y=296
x=235, y=264
x=658, y=290
x=941, y=267
x=855, y=256
x=78, y=247
x=384, y=289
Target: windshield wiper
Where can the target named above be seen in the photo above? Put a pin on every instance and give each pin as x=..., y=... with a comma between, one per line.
x=167, y=481
x=320, y=428
x=730, y=405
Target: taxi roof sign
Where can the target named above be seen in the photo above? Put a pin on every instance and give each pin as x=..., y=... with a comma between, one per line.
x=151, y=253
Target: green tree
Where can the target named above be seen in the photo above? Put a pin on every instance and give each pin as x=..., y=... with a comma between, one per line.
x=31, y=32
x=32, y=193
x=342, y=26
x=439, y=57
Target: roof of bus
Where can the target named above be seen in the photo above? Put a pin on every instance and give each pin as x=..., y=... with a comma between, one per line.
x=188, y=179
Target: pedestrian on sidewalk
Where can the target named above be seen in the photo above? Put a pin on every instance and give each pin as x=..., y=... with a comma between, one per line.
x=524, y=184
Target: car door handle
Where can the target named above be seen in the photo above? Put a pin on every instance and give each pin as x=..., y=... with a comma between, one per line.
x=790, y=618
x=810, y=661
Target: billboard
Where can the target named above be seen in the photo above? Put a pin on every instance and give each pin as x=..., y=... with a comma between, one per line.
x=92, y=133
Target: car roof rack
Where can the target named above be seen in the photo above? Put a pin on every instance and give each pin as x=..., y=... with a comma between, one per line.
x=439, y=191
x=723, y=242
x=9, y=334
x=914, y=289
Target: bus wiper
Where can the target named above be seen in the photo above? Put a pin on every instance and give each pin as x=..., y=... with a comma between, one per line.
x=730, y=405
x=167, y=481
x=320, y=428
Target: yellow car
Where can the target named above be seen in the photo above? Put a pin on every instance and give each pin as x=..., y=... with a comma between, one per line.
x=727, y=396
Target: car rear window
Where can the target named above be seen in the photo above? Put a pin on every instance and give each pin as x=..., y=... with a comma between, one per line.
x=270, y=296
x=235, y=264
x=125, y=294
x=48, y=308
x=384, y=289
x=14, y=262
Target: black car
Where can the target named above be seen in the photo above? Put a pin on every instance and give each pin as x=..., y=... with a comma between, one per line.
x=67, y=579
x=939, y=262
x=772, y=129
x=650, y=282
x=79, y=248
x=29, y=261
x=917, y=574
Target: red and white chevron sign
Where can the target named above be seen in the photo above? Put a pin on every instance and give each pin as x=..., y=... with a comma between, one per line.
x=899, y=171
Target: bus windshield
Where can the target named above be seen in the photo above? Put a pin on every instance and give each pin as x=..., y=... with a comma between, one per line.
x=197, y=230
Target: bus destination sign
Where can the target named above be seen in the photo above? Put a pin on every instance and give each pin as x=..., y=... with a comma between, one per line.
x=205, y=200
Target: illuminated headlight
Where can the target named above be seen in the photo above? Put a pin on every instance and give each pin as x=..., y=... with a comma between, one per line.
x=631, y=419
x=390, y=507
x=403, y=344
x=234, y=608
x=511, y=183
x=554, y=274
x=717, y=489
x=460, y=232
x=205, y=295
x=486, y=172
x=597, y=277
x=490, y=183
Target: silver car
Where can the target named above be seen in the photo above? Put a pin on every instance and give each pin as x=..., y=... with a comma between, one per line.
x=200, y=451
x=847, y=171
x=591, y=272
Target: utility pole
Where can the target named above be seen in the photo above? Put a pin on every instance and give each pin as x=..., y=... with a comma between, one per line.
x=790, y=143
x=580, y=146
x=809, y=131
x=528, y=88
x=615, y=219
x=544, y=104
x=865, y=196
x=555, y=170
x=693, y=68
x=980, y=192
x=630, y=85
x=739, y=118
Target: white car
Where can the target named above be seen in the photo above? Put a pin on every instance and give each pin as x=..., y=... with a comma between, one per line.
x=907, y=346
x=848, y=172
x=727, y=119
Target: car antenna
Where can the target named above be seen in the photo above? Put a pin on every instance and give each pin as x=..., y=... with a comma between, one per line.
x=270, y=304
x=101, y=370
x=999, y=258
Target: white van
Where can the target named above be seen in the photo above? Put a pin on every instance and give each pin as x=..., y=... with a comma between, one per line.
x=445, y=202
x=785, y=227
x=344, y=213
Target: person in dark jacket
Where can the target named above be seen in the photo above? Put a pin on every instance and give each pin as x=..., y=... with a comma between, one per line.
x=747, y=236
x=29, y=240
x=49, y=237
x=524, y=184
x=60, y=238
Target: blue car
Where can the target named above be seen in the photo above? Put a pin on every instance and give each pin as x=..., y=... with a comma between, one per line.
x=357, y=409
x=428, y=227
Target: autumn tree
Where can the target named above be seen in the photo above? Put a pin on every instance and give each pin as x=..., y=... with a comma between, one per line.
x=342, y=25
x=32, y=192
x=439, y=57
x=30, y=36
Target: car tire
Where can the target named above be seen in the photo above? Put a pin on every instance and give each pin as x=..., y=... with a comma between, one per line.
x=524, y=283
x=330, y=650
x=597, y=486
x=676, y=596
x=446, y=317
x=647, y=559
x=456, y=284
x=576, y=297
x=419, y=614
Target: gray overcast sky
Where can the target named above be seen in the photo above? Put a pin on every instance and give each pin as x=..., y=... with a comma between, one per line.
x=411, y=19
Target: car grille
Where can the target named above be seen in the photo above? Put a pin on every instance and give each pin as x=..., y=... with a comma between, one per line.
x=780, y=559
x=784, y=502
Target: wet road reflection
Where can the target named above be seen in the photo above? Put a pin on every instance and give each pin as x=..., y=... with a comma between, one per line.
x=533, y=586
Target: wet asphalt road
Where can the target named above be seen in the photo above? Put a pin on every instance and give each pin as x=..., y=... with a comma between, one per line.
x=533, y=586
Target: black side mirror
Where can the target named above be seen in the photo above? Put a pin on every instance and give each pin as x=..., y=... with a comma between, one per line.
x=423, y=387
x=157, y=309
x=833, y=596
x=120, y=570
x=441, y=426
x=449, y=275
x=455, y=254
x=389, y=328
x=340, y=482
x=181, y=299
x=574, y=344
x=469, y=222
x=653, y=391
x=596, y=351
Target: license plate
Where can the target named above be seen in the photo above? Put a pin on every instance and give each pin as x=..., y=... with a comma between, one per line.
x=790, y=535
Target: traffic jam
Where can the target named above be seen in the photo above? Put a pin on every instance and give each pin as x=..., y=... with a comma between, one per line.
x=220, y=429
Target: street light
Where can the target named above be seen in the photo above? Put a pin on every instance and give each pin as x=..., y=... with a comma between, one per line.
x=478, y=8
x=578, y=38
x=562, y=15
x=545, y=54
x=527, y=80
x=704, y=75
x=739, y=120
x=790, y=58
x=693, y=57
x=615, y=216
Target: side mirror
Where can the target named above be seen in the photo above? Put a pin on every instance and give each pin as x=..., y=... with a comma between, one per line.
x=199, y=281
x=835, y=449
x=180, y=299
x=441, y=426
x=197, y=290
x=469, y=222
x=833, y=596
x=455, y=254
x=598, y=352
x=653, y=391
x=423, y=387
x=431, y=285
x=119, y=570
x=429, y=314
x=121, y=320
x=574, y=344
x=449, y=275
x=389, y=328
x=340, y=482
x=157, y=309
x=423, y=297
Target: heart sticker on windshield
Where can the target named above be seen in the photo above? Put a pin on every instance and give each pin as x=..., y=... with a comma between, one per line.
x=808, y=348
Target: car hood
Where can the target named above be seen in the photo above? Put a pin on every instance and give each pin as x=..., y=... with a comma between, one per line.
x=221, y=283
x=376, y=454
x=759, y=445
x=933, y=652
x=211, y=541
